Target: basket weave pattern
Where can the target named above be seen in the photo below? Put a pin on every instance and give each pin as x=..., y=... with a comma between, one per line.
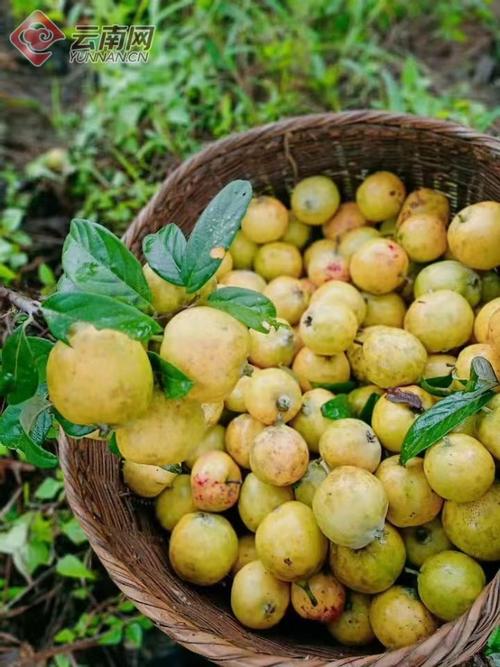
x=456, y=160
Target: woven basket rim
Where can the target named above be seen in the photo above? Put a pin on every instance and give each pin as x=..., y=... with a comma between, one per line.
x=451, y=637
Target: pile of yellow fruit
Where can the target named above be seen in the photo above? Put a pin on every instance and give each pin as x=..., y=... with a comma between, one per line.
x=375, y=298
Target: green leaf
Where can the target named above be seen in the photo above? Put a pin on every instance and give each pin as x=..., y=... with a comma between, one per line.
x=18, y=362
x=442, y=418
x=251, y=308
x=493, y=644
x=337, y=408
x=367, y=411
x=133, y=634
x=11, y=430
x=36, y=455
x=164, y=252
x=36, y=417
x=74, y=531
x=337, y=387
x=6, y=382
x=73, y=430
x=215, y=229
x=71, y=566
x=48, y=489
x=64, y=636
x=112, y=637
x=46, y=275
x=64, y=284
x=113, y=446
x=96, y=261
x=40, y=349
x=63, y=311
x=438, y=386
x=174, y=382
x=482, y=373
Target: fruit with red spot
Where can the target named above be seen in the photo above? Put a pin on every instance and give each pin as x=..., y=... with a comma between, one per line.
x=215, y=482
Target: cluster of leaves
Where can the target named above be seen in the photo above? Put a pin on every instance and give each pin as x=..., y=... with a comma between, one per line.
x=103, y=285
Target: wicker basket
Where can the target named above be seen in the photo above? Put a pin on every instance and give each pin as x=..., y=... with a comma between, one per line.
x=463, y=164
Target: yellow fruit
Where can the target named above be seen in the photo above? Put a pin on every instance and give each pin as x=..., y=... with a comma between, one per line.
x=320, y=598
x=101, y=377
x=225, y=267
x=371, y=569
x=312, y=369
x=244, y=279
x=328, y=328
x=423, y=236
x=240, y=435
x=167, y=433
x=385, y=309
x=246, y=552
x=210, y=347
x=324, y=262
x=348, y=216
x=350, y=442
x=279, y=455
x=424, y=541
x=212, y=412
x=350, y=506
x=425, y=200
x=213, y=440
x=305, y=489
x=235, y=400
x=315, y=199
x=266, y=220
x=166, y=298
x=257, y=499
x=488, y=427
x=298, y=233
x=309, y=421
x=391, y=421
x=203, y=548
x=441, y=320
x=449, y=275
x=278, y=259
x=494, y=332
x=379, y=266
x=473, y=527
x=353, y=627
x=272, y=394
x=449, y=582
x=242, y=251
x=275, y=348
x=215, y=482
x=412, y=502
x=258, y=600
x=459, y=468
x=398, y=618
x=483, y=317
x=353, y=240
x=474, y=235
x=359, y=397
x=289, y=297
x=393, y=357
x=380, y=196
x=289, y=542
x=174, y=502
x=439, y=365
x=337, y=291
x=465, y=357
x=146, y=481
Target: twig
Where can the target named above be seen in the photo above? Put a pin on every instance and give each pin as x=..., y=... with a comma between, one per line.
x=21, y=302
x=46, y=654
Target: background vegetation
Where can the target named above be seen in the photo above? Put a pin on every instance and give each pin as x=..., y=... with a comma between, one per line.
x=96, y=141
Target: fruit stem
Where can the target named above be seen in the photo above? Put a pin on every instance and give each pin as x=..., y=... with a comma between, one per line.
x=307, y=590
x=410, y=570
